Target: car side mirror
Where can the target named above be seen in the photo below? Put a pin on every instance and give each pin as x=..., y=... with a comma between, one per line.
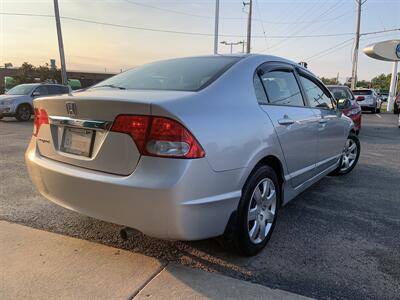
x=35, y=94
x=360, y=98
x=343, y=104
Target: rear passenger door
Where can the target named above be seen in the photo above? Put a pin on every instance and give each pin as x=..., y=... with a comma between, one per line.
x=330, y=126
x=296, y=125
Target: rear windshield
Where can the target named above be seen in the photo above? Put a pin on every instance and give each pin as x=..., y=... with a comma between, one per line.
x=362, y=92
x=341, y=92
x=182, y=74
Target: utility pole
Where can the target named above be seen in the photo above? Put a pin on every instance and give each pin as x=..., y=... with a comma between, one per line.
x=356, y=46
x=250, y=4
x=216, y=27
x=60, y=44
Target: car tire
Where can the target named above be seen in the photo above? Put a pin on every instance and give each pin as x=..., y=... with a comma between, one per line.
x=378, y=110
x=24, y=112
x=373, y=110
x=257, y=211
x=350, y=156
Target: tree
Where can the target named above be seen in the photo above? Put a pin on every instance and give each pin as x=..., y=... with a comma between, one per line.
x=28, y=73
x=363, y=84
x=329, y=81
x=45, y=73
x=382, y=82
x=25, y=74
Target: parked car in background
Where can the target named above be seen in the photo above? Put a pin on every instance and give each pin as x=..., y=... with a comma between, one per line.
x=384, y=95
x=347, y=102
x=368, y=100
x=18, y=101
x=192, y=148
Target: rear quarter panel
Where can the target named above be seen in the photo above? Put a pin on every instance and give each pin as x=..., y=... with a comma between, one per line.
x=227, y=120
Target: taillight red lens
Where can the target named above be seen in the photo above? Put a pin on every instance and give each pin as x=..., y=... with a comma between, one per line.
x=135, y=126
x=159, y=136
x=41, y=118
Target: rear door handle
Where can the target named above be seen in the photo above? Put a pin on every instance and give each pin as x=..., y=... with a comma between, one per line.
x=286, y=121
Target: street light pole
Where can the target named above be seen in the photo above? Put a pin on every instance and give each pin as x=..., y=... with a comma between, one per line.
x=356, y=46
x=60, y=44
x=232, y=44
x=216, y=27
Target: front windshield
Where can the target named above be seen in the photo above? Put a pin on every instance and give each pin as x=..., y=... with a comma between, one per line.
x=182, y=74
x=22, y=89
x=341, y=93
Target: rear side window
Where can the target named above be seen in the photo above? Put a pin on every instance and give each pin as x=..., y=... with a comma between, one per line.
x=57, y=89
x=181, y=74
x=316, y=96
x=341, y=93
x=282, y=88
x=259, y=89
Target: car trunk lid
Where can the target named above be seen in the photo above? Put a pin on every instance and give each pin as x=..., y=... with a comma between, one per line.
x=78, y=129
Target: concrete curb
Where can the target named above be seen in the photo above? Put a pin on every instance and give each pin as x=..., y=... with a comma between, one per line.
x=41, y=265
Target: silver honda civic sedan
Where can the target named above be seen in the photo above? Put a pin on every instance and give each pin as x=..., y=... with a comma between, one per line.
x=192, y=148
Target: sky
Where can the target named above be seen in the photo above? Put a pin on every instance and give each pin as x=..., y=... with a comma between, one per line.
x=144, y=31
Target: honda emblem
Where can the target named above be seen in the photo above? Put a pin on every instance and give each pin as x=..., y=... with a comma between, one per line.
x=71, y=108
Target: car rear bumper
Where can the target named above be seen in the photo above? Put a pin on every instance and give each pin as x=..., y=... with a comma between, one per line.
x=163, y=198
x=368, y=106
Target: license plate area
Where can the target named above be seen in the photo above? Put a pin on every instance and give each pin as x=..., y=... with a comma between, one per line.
x=78, y=141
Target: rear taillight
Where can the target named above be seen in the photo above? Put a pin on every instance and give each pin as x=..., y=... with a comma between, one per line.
x=40, y=119
x=159, y=136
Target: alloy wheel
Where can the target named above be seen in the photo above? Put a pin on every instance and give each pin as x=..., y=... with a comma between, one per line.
x=261, y=211
x=349, y=155
x=24, y=113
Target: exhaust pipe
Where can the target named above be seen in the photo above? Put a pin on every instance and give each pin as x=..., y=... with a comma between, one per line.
x=126, y=233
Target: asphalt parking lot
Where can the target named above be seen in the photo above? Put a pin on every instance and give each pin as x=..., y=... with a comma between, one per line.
x=338, y=240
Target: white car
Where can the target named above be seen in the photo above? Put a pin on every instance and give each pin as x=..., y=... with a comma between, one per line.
x=368, y=99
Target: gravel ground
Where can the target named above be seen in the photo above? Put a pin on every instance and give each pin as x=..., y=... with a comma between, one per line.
x=338, y=240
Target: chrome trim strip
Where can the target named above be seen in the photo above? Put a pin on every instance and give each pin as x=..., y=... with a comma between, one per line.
x=78, y=123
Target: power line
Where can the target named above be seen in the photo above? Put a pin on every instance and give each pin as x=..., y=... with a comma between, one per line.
x=169, y=10
x=193, y=33
x=261, y=20
x=330, y=9
x=262, y=24
x=328, y=49
x=339, y=46
x=380, y=31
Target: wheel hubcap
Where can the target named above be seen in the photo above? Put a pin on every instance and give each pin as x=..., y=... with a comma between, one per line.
x=349, y=155
x=261, y=211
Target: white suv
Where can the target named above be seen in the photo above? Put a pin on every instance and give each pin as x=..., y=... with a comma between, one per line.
x=17, y=102
x=368, y=99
